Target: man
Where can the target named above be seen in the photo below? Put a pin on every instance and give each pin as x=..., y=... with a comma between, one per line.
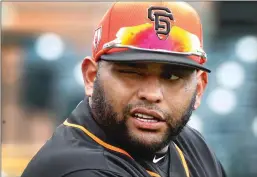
x=145, y=78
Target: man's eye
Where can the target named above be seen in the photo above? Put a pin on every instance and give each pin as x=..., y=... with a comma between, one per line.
x=170, y=76
x=173, y=77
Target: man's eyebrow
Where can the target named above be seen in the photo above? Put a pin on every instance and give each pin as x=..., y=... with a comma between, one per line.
x=177, y=68
x=132, y=65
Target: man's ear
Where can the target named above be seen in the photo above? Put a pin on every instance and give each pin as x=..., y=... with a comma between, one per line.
x=202, y=80
x=89, y=71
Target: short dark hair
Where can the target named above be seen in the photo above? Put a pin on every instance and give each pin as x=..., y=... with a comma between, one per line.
x=99, y=65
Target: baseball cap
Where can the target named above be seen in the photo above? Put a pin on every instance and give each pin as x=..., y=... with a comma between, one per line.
x=164, y=32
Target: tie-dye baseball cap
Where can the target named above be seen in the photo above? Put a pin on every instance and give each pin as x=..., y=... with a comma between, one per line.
x=165, y=32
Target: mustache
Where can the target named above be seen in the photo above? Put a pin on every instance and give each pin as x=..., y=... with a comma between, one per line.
x=142, y=104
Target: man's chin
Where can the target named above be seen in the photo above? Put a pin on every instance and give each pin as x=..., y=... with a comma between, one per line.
x=147, y=138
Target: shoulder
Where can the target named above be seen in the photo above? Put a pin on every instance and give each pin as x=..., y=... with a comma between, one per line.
x=198, y=154
x=62, y=155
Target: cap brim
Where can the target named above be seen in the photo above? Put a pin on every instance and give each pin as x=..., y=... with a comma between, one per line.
x=152, y=56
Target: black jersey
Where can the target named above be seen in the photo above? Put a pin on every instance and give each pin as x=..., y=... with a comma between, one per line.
x=80, y=148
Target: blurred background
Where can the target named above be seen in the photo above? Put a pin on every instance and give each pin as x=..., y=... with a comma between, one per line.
x=43, y=44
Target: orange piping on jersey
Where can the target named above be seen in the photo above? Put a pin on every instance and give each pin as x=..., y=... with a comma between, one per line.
x=99, y=141
x=183, y=160
x=153, y=174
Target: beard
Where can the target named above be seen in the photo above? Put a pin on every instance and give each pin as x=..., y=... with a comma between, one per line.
x=115, y=127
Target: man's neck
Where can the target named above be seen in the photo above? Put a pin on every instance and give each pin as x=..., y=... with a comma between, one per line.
x=163, y=150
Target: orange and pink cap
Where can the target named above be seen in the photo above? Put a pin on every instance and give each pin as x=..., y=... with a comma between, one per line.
x=168, y=32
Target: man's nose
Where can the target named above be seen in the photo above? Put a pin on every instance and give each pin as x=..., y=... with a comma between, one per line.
x=150, y=90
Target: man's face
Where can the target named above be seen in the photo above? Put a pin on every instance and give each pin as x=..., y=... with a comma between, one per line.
x=143, y=105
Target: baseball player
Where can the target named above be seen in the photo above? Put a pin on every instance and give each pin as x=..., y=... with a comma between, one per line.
x=145, y=78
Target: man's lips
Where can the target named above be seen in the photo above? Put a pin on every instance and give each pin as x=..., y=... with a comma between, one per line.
x=148, y=112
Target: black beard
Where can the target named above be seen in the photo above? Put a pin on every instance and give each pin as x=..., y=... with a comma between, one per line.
x=115, y=128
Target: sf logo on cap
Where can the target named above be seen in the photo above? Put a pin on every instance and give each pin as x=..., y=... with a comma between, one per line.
x=162, y=17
